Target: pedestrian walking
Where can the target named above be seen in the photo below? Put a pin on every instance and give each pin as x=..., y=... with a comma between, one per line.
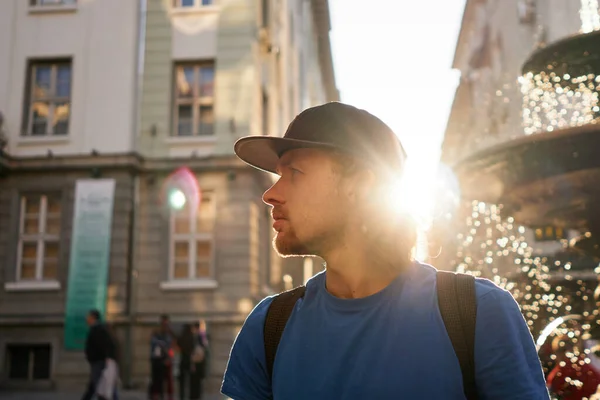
x=376, y=324
x=100, y=350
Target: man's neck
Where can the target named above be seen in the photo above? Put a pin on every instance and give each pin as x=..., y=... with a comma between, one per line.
x=353, y=273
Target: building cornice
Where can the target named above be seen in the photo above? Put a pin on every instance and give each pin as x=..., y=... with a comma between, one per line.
x=41, y=319
x=322, y=19
x=133, y=162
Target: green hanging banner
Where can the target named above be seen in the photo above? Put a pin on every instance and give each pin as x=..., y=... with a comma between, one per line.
x=90, y=257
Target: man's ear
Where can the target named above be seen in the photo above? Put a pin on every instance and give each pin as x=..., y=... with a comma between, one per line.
x=360, y=186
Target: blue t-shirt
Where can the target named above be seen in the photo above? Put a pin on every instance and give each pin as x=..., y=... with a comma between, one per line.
x=390, y=345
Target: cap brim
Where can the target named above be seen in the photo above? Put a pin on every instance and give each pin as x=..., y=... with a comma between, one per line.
x=263, y=152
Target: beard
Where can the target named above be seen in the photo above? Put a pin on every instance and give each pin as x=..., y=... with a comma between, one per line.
x=288, y=245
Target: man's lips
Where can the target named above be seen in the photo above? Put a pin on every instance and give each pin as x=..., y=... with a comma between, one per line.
x=279, y=219
x=277, y=215
x=278, y=224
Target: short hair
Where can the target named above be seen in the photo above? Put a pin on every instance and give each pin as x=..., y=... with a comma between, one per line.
x=95, y=313
x=164, y=317
x=196, y=325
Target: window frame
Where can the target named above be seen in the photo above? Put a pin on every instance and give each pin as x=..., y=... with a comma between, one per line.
x=192, y=238
x=30, y=346
x=197, y=4
x=549, y=233
x=265, y=13
x=195, y=101
x=52, y=99
x=40, y=238
x=54, y=3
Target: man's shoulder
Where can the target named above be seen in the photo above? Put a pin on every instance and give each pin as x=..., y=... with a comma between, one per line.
x=259, y=314
x=256, y=318
x=255, y=321
x=483, y=287
x=492, y=299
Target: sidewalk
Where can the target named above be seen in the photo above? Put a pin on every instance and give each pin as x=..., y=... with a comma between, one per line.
x=18, y=395
x=124, y=395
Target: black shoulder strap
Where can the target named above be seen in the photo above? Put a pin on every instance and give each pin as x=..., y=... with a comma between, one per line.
x=277, y=316
x=458, y=306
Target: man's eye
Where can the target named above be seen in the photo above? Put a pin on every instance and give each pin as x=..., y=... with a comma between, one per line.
x=295, y=171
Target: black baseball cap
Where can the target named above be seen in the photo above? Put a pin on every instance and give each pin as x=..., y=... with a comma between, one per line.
x=335, y=126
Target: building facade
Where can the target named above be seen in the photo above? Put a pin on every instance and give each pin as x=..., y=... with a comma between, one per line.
x=495, y=39
x=149, y=96
x=520, y=138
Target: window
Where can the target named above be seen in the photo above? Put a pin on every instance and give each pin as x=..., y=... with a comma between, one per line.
x=42, y=3
x=549, y=233
x=192, y=3
x=48, y=107
x=39, y=238
x=292, y=29
x=192, y=240
x=194, y=99
x=265, y=13
x=590, y=16
x=308, y=269
x=526, y=9
x=28, y=362
x=265, y=113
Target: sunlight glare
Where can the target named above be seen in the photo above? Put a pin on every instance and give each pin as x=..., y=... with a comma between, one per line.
x=414, y=192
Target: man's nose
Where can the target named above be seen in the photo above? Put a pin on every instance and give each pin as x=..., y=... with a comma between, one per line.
x=273, y=195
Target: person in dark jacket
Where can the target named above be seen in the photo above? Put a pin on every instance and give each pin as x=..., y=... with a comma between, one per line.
x=193, y=348
x=161, y=359
x=185, y=342
x=99, y=347
x=199, y=360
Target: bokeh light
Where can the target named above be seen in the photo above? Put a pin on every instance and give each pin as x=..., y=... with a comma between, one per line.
x=552, y=102
x=177, y=199
x=181, y=190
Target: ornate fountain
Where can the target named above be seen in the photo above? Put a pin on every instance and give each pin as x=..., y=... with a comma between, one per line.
x=551, y=175
x=549, y=178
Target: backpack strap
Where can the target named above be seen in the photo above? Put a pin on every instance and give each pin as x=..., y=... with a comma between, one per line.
x=458, y=306
x=278, y=314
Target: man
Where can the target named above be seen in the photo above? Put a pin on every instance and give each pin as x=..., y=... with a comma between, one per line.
x=369, y=326
x=100, y=348
x=161, y=360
